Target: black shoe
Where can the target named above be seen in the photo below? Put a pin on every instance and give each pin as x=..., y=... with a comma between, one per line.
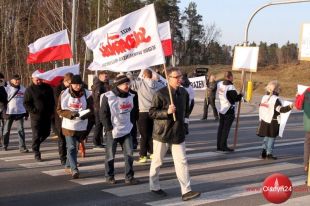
x=100, y=146
x=264, y=154
x=190, y=195
x=219, y=149
x=23, y=150
x=216, y=119
x=160, y=192
x=63, y=162
x=131, y=181
x=227, y=149
x=38, y=158
x=75, y=175
x=110, y=180
x=204, y=118
x=5, y=148
x=271, y=157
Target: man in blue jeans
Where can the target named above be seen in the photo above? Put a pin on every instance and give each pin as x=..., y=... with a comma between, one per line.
x=115, y=109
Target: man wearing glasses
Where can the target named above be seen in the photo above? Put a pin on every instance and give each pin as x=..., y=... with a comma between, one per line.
x=167, y=132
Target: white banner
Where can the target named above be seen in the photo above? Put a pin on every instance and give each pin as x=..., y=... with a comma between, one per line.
x=198, y=83
x=283, y=118
x=128, y=43
x=245, y=58
x=304, y=43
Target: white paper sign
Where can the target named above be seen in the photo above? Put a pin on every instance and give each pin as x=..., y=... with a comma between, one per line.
x=245, y=58
x=283, y=118
x=304, y=43
x=198, y=83
x=301, y=89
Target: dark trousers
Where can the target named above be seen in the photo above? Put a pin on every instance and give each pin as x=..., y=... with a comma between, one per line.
x=126, y=143
x=98, y=135
x=62, y=149
x=41, y=129
x=145, y=124
x=211, y=101
x=226, y=121
x=133, y=134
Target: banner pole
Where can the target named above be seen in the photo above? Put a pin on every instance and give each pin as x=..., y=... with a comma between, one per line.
x=169, y=89
x=239, y=108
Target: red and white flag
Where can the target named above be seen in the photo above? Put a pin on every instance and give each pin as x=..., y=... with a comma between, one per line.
x=53, y=77
x=50, y=48
x=128, y=43
x=165, y=37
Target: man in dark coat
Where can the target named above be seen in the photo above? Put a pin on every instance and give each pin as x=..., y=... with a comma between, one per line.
x=101, y=85
x=167, y=132
x=61, y=138
x=3, y=102
x=40, y=104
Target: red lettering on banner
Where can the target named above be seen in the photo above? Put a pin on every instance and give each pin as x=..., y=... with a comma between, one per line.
x=128, y=43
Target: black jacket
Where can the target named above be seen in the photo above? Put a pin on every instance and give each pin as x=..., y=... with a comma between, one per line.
x=165, y=129
x=99, y=88
x=39, y=101
x=232, y=97
x=3, y=99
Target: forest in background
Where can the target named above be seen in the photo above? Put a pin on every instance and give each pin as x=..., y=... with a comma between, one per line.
x=194, y=42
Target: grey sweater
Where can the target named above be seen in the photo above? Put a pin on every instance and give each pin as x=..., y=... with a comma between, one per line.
x=146, y=89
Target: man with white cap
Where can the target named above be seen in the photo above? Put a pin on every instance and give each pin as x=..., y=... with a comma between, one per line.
x=39, y=102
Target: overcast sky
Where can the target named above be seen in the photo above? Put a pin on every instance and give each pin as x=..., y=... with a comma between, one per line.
x=274, y=24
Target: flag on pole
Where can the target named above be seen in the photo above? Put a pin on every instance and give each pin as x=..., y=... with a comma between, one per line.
x=53, y=77
x=165, y=37
x=128, y=43
x=50, y=48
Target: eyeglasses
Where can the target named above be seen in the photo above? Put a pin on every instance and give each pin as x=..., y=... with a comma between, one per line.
x=176, y=77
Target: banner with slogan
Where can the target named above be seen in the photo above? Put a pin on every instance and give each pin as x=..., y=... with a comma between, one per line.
x=198, y=83
x=128, y=43
x=304, y=43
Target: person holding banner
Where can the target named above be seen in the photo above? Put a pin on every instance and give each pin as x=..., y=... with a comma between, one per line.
x=40, y=104
x=146, y=88
x=269, y=118
x=228, y=97
x=305, y=98
x=210, y=98
x=168, y=132
x=115, y=115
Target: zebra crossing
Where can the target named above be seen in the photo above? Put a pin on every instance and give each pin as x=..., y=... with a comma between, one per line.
x=220, y=176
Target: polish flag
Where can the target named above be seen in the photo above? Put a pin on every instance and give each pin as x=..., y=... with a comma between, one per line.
x=50, y=48
x=55, y=76
x=165, y=37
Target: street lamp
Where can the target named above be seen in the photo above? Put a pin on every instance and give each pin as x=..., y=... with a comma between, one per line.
x=246, y=43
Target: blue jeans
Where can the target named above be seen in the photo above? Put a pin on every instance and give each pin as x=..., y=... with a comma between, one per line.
x=126, y=143
x=268, y=144
x=20, y=129
x=71, y=153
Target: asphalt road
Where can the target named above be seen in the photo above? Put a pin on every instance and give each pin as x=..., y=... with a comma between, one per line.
x=223, y=178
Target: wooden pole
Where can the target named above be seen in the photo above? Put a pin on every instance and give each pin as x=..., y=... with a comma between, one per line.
x=239, y=108
x=169, y=89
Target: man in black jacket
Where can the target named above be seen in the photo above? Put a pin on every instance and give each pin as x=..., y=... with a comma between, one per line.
x=228, y=96
x=62, y=149
x=3, y=102
x=101, y=85
x=167, y=132
x=39, y=102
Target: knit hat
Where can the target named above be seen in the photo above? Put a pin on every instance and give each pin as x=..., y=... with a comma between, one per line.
x=121, y=79
x=76, y=79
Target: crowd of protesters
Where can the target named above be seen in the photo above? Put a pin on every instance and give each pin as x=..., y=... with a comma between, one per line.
x=128, y=106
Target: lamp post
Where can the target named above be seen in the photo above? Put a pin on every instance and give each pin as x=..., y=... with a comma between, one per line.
x=243, y=74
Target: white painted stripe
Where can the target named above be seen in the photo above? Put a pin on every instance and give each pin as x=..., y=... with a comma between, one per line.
x=224, y=194
x=206, y=178
x=92, y=168
x=304, y=200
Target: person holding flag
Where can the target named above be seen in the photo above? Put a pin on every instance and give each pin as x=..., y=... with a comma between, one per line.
x=167, y=132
